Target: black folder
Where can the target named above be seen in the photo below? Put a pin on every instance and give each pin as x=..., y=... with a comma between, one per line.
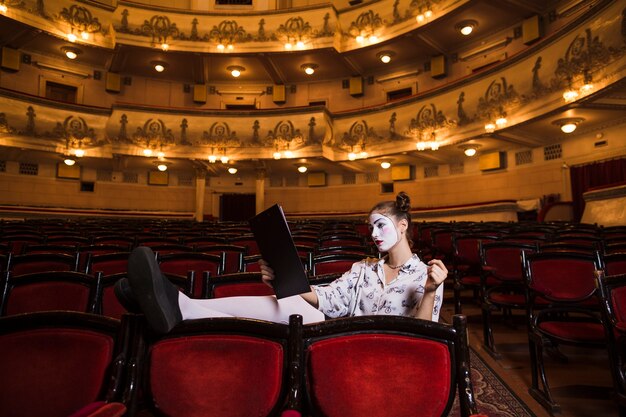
x=273, y=237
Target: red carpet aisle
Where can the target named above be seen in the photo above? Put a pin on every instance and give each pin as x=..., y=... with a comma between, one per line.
x=493, y=397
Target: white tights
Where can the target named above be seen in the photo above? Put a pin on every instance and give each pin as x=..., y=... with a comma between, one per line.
x=253, y=307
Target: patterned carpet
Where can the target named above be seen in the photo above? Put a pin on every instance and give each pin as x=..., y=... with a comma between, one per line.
x=493, y=396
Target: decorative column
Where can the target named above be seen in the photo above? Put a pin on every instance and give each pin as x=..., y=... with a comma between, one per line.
x=260, y=190
x=200, y=191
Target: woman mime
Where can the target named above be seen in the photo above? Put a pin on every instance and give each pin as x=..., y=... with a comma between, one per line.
x=398, y=284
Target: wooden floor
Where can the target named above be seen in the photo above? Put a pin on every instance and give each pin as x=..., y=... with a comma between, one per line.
x=581, y=386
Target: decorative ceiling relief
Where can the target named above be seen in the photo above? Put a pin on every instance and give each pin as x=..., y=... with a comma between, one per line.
x=4, y=124
x=356, y=139
x=366, y=25
x=154, y=135
x=159, y=28
x=285, y=137
x=499, y=99
x=227, y=33
x=75, y=129
x=294, y=32
x=81, y=20
x=428, y=126
x=219, y=135
x=463, y=118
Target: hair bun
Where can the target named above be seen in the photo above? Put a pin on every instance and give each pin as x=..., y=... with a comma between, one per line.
x=403, y=201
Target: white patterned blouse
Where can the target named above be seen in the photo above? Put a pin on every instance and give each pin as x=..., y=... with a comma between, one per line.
x=362, y=291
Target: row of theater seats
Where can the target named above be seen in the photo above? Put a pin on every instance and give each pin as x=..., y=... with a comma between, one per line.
x=61, y=364
x=550, y=275
x=36, y=281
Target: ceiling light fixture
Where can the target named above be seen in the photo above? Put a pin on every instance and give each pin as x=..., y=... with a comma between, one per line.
x=71, y=52
x=165, y=46
x=147, y=152
x=71, y=37
x=235, y=70
x=466, y=27
x=79, y=153
x=277, y=155
x=385, y=163
x=212, y=159
x=568, y=125
x=159, y=66
x=309, y=69
x=385, y=56
x=470, y=149
x=3, y=8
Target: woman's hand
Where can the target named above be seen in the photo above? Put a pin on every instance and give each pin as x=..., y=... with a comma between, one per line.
x=437, y=273
x=267, y=273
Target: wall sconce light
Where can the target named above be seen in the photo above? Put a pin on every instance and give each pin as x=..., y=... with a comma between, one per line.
x=309, y=69
x=385, y=56
x=501, y=122
x=232, y=170
x=466, y=27
x=568, y=125
x=235, y=70
x=302, y=169
x=162, y=167
x=570, y=95
x=69, y=161
x=222, y=47
x=159, y=66
x=71, y=52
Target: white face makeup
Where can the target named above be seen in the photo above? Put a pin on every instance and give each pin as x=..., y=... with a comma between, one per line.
x=384, y=232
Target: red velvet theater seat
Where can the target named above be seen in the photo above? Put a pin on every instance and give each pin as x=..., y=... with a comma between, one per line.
x=563, y=309
x=222, y=367
x=613, y=294
x=57, y=364
x=386, y=366
x=45, y=291
x=237, y=284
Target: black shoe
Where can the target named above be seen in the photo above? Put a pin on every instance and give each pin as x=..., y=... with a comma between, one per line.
x=156, y=295
x=125, y=296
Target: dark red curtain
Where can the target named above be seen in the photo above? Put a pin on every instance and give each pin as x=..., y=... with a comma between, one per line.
x=597, y=174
